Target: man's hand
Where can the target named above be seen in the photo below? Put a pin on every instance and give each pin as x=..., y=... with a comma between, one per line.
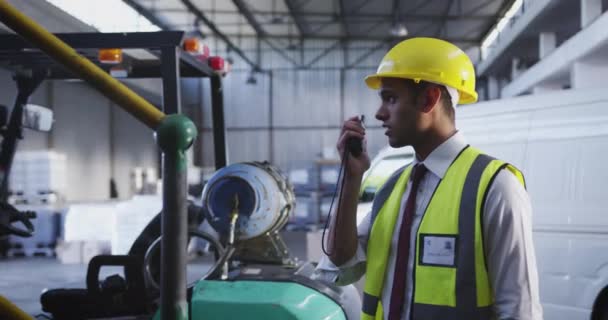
x=355, y=167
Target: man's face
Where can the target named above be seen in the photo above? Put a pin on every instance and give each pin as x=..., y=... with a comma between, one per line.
x=399, y=112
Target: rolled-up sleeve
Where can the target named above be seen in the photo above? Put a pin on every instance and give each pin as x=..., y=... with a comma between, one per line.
x=509, y=249
x=351, y=271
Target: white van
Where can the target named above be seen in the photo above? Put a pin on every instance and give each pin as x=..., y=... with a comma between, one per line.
x=560, y=142
x=382, y=166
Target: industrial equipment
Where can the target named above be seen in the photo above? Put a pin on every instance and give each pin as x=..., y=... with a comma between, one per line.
x=255, y=277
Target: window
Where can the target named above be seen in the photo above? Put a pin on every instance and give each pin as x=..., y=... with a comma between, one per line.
x=106, y=15
x=380, y=172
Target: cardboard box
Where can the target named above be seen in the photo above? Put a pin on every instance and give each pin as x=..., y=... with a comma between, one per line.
x=81, y=252
x=69, y=252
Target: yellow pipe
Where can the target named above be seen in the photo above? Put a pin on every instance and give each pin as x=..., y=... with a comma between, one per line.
x=9, y=311
x=87, y=70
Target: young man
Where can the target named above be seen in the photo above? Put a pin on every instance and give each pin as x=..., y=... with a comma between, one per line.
x=450, y=236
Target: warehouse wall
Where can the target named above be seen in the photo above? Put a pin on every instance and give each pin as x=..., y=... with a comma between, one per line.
x=303, y=119
x=82, y=132
x=100, y=140
x=133, y=146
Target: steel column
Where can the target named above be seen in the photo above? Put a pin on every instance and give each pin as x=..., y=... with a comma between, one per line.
x=219, y=129
x=175, y=135
x=173, y=303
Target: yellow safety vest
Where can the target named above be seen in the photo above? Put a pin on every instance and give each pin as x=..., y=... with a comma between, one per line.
x=450, y=276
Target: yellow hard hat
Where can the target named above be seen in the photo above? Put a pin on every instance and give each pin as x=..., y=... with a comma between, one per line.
x=428, y=59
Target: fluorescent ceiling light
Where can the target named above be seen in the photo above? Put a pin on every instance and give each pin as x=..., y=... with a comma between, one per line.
x=490, y=38
x=399, y=30
x=106, y=15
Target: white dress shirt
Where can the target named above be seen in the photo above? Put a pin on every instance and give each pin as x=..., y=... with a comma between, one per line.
x=507, y=232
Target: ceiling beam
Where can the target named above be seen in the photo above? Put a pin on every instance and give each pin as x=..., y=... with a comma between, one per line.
x=369, y=52
x=443, y=24
x=297, y=17
x=506, y=5
x=481, y=6
x=351, y=38
x=260, y=32
x=336, y=18
x=342, y=17
x=324, y=53
x=349, y=16
x=201, y=16
x=281, y=53
x=246, y=12
x=148, y=14
x=396, y=11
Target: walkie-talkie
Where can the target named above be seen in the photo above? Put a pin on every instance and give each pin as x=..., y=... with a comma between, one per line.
x=355, y=145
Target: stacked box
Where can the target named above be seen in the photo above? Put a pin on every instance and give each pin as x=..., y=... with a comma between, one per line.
x=309, y=213
x=90, y=221
x=47, y=231
x=300, y=180
x=144, y=180
x=131, y=218
x=87, y=232
x=320, y=178
x=46, y=172
x=328, y=176
x=69, y=252
x=81, y=252
x=18, y=174
x=36, y=174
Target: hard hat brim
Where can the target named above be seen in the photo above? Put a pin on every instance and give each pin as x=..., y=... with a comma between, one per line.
x=374, y=82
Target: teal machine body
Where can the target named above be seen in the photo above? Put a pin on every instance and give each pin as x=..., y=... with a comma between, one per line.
x=254, y=277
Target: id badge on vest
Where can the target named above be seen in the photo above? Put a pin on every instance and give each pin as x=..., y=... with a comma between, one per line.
x=438, y=250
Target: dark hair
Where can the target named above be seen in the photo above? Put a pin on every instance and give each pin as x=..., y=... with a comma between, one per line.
x=446, y=98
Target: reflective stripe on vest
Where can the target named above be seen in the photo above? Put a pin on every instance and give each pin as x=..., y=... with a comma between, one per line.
x=458, y=291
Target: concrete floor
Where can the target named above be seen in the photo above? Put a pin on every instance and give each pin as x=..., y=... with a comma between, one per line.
x=22, y=280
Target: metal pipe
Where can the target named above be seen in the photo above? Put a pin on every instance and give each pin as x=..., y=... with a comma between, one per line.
x=173, y=284
x=171, y=80
x=87, y=70
x=10, y=310
x=271, y=116
x=219, y=129
x=175, y=135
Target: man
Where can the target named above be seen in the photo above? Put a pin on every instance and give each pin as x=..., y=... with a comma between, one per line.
x=450, y=236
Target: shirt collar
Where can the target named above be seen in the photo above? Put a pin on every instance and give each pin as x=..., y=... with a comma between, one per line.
x=442, y=157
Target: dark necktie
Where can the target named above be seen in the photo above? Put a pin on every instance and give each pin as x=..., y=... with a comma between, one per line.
x=403, y=246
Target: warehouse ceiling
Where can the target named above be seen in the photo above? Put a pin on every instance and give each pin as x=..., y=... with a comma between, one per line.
x=465, y=22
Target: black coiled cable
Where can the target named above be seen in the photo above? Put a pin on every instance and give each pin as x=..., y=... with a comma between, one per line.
x=340, y=176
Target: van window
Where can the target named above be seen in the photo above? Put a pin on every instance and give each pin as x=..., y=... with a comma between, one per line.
x=381, y=171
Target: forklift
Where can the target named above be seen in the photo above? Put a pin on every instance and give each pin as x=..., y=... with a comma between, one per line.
x=247, y=204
